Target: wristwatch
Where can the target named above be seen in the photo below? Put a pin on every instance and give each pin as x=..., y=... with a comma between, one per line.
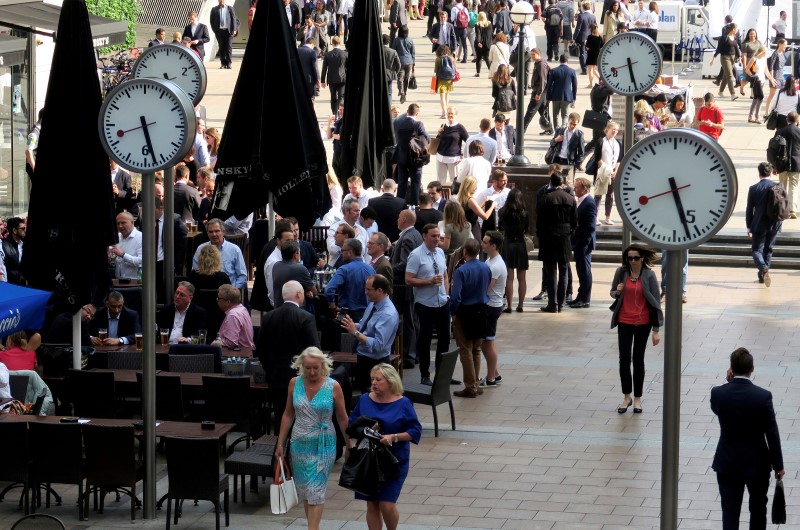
x=357, y=334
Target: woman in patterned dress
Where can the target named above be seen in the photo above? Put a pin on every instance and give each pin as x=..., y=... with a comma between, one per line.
x=313, y=397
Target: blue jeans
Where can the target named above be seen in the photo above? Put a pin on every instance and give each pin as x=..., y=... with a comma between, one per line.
x=763, y=242
x=685, y=256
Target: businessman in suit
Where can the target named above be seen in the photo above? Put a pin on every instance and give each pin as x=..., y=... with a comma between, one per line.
x=285, y=333
x=182, y=318
x=404, y=128
x=582, y=32
x=505, y=137
x=762, y=230
x=562, y=90
x=334, y=72
x=749, y=443
x=292, y=14
x=161, y=34
x=388, y=208
x=583, y=242
x=120, y=322
x=308, y=62
x=122, y=187
x=225, y=26
x=408, y=240
x=442, y=33
x=397, y=18
x=198, y=33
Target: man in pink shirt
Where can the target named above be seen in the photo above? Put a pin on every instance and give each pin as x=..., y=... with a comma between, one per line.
x=236, y=330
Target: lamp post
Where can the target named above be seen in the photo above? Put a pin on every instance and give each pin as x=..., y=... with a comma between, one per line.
x=522, y=15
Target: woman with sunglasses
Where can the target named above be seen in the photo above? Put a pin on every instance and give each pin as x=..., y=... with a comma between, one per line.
x=637, y=310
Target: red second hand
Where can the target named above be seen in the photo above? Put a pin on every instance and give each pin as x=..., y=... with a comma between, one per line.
x=644, y=199
x=121, y=133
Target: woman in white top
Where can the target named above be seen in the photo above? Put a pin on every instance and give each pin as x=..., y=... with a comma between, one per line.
x=335, y=189
x=608, y=155
x=475, y=165
x=785, y=102
x=652, y=28
x=757, y=81
x=677, y=115
x=499, y=53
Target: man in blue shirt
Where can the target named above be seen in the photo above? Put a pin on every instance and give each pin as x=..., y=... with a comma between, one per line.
x=375, y=333
x=349, y=280
x=426, y=272
x=760, y=228
x=232, y=260
x=468, y=299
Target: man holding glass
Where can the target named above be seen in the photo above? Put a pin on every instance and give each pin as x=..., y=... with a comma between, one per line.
x=116, y=325
x=182, y=318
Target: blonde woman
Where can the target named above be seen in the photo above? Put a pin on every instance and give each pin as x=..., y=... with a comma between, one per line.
x=473, y=210
x=335, y=189
x=312, y=400
x=208, y=274
x=212, y=139
x=608, y=155
x=483, y=42
x=499, y=53
x=452, y=136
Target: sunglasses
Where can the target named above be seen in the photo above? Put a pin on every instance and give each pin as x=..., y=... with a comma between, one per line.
x=634, y=258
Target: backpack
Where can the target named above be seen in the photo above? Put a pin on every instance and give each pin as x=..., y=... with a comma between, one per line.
x=473, y=19
x=777, y=203
x=418, y=154
x=462, y=19
x=554, y=17
x=446, y=71
x=778, y=153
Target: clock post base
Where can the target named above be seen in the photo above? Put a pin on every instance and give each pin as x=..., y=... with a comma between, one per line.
x=518, y=161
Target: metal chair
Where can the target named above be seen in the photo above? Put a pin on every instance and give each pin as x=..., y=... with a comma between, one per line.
x=193, y=472
x=316, y=235
x=199, y=349
x=200, y=364
x=57, y=452
x=14, y=441
x=170, y=404
x=112, y=464
x=124, y=360
x=228, y=401
x=93, y=394
x=439, y=392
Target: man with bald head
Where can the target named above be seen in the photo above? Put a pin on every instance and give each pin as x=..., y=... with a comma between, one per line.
x=408, y=240
x=285, y=333
x=128, y=251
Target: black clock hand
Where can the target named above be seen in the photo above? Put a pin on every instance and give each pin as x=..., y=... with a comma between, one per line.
x=149, y=142
x=630, y=70
x=678, y=204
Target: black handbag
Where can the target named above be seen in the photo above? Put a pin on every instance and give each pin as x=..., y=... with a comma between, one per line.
x=552, y=151
x=779, y=504
x=574, y=50
x=412, y=82
x=772, y=119
x=360, y=471
x=591, y=167
x=596, y=121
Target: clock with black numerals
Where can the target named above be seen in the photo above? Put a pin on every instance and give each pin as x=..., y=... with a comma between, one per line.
x=147, y=124
x=175, y=63
x=630, y=63
x=676, y=188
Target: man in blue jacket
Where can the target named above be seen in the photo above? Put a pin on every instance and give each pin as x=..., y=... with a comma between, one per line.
x=760, y=228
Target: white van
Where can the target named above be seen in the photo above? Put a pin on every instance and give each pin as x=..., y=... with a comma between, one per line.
x=679, y=21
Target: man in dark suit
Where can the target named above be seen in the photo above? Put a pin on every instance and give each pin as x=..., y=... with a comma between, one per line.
x=583, y=242
x=388, y=208
x=749, y=443
x=186, y=199
x=122, y=187
x=121, y=324
x=582, y=32
x=334, y=72
x=562, y=90
x=285, y=333
x=391, y=65
x=572, y=144
x=556, y=219
x=762, y=230
x=426, y=213
x=442, y=33
x=403, y=295
x=788, y=175
x=178, y=246
x=198, y=33
x=308, y=62
x=504, y=135
x=397, y=18
x=292, y=14
x=288, y=269
x=538, y=101
x=182, y=318
x=435, y=190
x=225, y=26
x=404, y=128
x=161, y=34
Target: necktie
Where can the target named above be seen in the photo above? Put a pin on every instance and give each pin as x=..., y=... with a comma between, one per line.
x=157, y=234
x=369, y=316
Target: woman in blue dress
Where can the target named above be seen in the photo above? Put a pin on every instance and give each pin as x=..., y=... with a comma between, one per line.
x=397, y=421
x=313, y=397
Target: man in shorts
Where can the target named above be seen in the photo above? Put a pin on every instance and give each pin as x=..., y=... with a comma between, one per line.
x=491, y=243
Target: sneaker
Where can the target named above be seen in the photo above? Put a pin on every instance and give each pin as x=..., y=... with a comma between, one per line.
x=486, y=383
x=767, y=279
x=498, y=379
x=426, y=381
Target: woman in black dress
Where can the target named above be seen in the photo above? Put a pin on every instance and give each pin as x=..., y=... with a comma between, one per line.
x=593, y=44
x=514, y=223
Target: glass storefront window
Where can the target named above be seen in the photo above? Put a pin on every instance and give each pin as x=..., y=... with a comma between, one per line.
x=14, y=125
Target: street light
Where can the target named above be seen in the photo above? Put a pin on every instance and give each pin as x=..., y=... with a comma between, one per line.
x=522, y=15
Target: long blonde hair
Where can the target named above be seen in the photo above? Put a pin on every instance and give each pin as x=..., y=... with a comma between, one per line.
x=209, y=260
x=214, y=133
x=483, y=20
x=466, y=190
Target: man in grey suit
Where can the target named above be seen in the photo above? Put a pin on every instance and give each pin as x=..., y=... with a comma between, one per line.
x=582, y=31
x=122, y=187
x=404, y=296
x=391, y=62
x=334, y=72
x=397, y=18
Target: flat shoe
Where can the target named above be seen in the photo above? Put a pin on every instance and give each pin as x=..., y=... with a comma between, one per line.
x=519, y=309
x=637, y=410
x=623, y=410
x=507, y=310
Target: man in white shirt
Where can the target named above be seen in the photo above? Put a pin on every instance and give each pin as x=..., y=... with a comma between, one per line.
x=357, y=191
x=497, y=193
x=128, y=251
x=282, y=235
x=490, y=244
x=350, y=212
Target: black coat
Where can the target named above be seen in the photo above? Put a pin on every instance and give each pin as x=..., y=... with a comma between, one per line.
x=308, y=61
x=11, y=259
x=388, y=208
x=404, y=128
x=194, y=321
x=128, y=323
x=233, y=21
x=334, y=64
x=585, y=236
x=792, y=134
x=285, y=333
x=200, y=35
x=556, y=219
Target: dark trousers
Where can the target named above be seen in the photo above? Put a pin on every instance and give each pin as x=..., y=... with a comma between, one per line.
x=539, y=106
x=555, y=275
x=403, y=76
x=403, y=176
x=278, y=397
x=481, y=54
x=461, y=39
x=581, y=56
x=433, y=17
x=363, y=366
x=583, y=268
x=337, y=96
x=632, y=339
x=763, y=243
x=731, y=491
x=431, y=318
x=552, y=33
x=336, y=163
x=224, y=41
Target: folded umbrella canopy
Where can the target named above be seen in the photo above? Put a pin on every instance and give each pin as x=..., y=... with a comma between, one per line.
x=21, y=308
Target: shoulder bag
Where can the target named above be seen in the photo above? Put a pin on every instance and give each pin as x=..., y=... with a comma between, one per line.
x=772, y=119
x=282, y=492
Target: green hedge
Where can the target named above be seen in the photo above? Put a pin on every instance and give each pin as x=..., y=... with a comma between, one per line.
x=117, y=10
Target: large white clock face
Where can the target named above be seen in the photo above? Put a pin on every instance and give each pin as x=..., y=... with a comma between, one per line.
x=630, y=63
x=676, y=189
x=178, y=64
x=147, y=124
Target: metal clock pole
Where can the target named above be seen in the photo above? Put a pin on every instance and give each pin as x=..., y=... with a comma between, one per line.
x=670, y=443
x=169, y=232
x=627, y=139
x=149, y=341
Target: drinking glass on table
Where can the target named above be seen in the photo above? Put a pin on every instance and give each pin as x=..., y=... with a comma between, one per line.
x=139, y=341
x=102, y=333
x=201, y=336
x=164, y=333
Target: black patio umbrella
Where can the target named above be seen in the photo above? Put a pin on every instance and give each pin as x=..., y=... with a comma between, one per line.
x=272, y=139
x=70, y=218
x=367, y=129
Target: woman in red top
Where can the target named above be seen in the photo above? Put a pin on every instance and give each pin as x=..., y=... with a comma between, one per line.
x=17, y=356
x=710, y=118
x=637, y=310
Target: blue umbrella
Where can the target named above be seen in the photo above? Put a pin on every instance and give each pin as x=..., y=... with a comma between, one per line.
x=21, y=308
